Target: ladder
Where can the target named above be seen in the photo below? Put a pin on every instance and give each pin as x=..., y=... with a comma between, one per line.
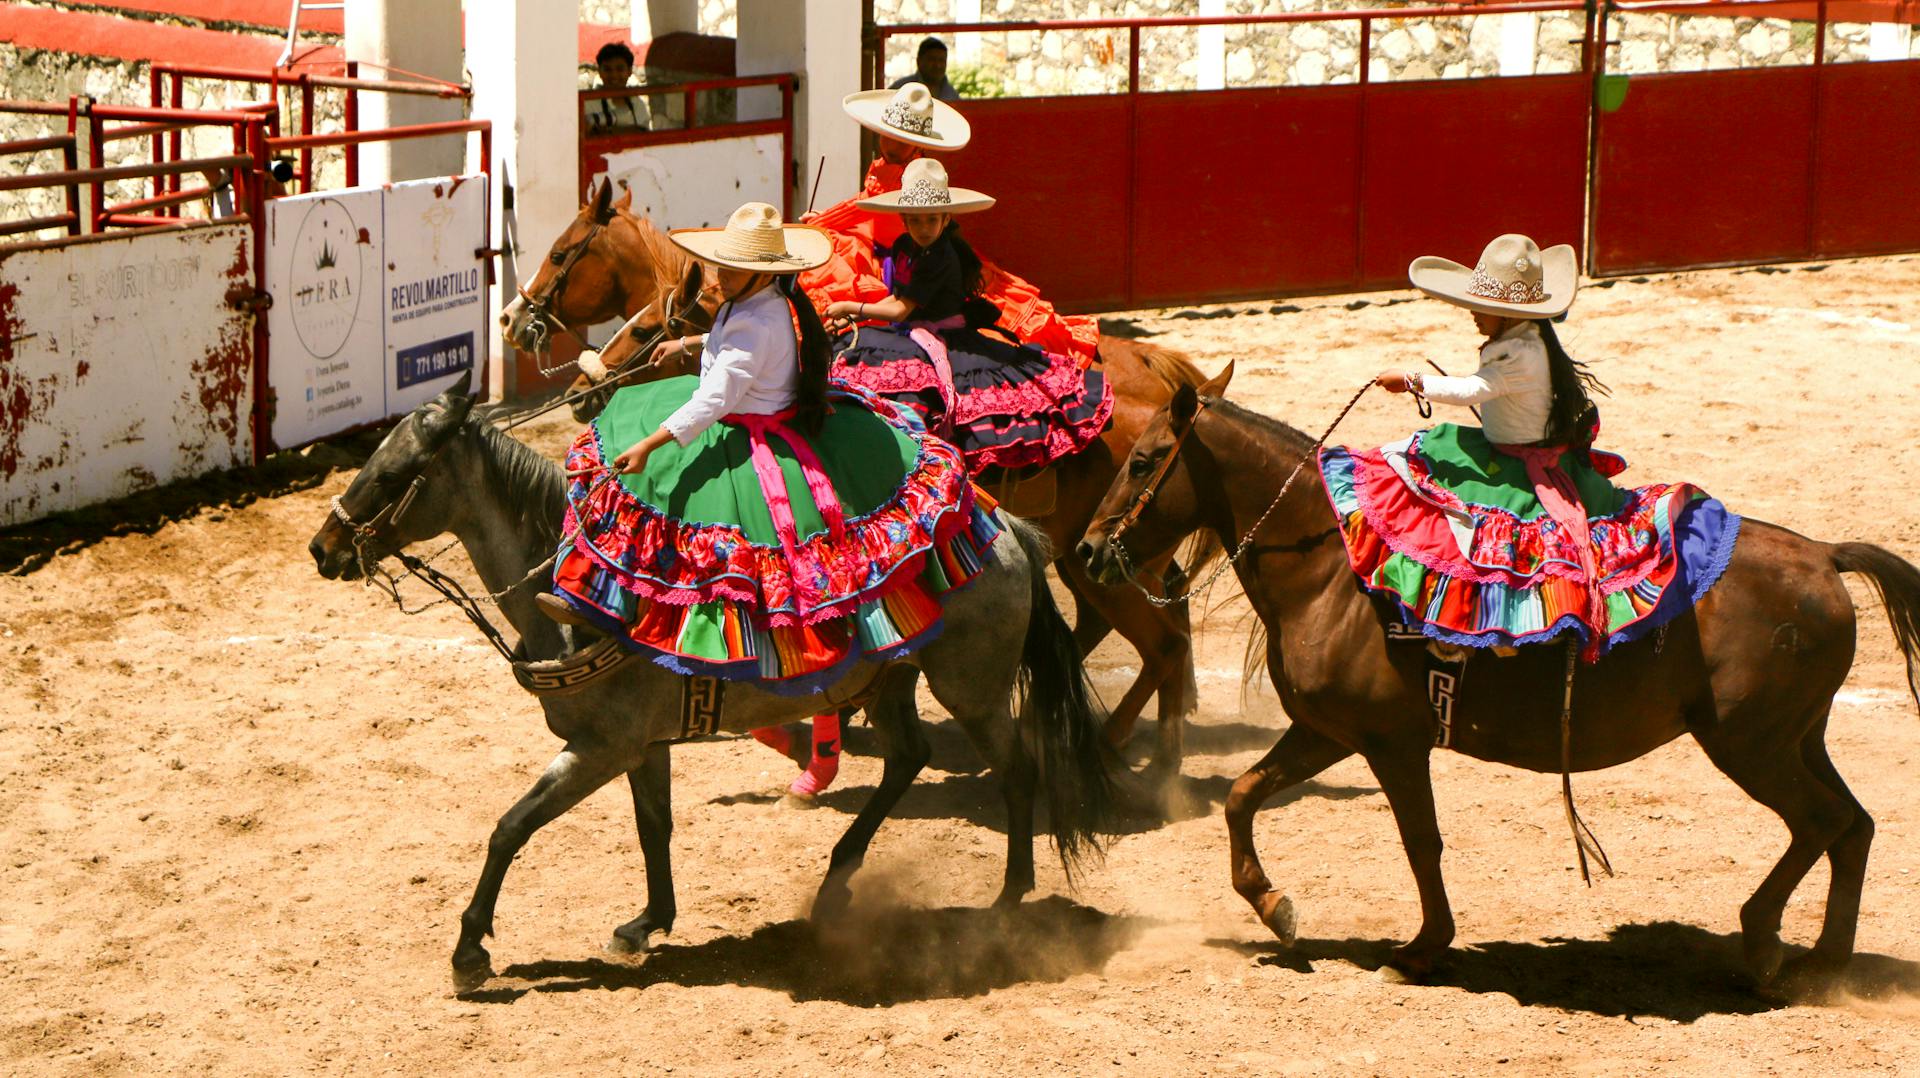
x=293, y=24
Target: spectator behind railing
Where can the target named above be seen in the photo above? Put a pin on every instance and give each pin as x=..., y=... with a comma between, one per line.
x=930, y=70
x=610, y=114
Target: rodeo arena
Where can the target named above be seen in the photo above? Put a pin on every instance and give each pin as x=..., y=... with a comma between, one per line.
x=1078, y=535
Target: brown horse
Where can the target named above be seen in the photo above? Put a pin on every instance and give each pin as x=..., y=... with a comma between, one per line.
x=1750, y=672
x=610, y=263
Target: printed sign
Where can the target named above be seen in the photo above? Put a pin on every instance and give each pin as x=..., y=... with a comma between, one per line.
x=379, y=301
x=436, y=290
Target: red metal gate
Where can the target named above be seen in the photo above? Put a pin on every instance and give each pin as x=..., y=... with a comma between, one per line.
x=1150, y=198
x=1771, y=164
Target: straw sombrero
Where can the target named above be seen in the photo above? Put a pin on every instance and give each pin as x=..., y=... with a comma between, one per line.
x=923, y=189
x=1513, y=278
x=754, y=239
x=909, y=114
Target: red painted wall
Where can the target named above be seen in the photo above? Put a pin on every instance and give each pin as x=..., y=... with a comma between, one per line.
x=1867, y=176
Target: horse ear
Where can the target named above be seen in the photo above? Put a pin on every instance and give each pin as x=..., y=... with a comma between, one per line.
x=1185, y=403
x=625, y=202
x=464, y=387
x=443, y=414
x=1217, y=385
x=603, y=203
x=688, y=295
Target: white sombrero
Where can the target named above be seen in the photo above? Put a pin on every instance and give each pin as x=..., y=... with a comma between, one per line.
x=923, y=189
x=909, y=114
x=754, y=239
x=1513, y=278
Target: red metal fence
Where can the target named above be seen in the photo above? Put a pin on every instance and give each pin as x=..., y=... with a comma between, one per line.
x=1145, y=197
x=696, y=123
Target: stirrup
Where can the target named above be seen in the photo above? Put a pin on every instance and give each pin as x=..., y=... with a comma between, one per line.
x=560, y=610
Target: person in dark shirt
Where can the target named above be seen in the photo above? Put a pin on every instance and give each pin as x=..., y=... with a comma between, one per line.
x=935, y=344
x=930, y=70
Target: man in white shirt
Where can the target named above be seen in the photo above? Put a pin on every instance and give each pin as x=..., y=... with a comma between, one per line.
x=610, y=114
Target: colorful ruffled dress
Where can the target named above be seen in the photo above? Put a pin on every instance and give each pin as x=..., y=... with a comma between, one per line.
x=1005, y=404
x=857, y=272
x=749, y=550
x=1480, y=538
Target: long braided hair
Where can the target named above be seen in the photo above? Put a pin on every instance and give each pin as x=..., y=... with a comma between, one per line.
x=816, y=354
x=1572, y=417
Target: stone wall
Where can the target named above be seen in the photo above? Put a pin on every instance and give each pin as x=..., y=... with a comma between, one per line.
x=1025, y=63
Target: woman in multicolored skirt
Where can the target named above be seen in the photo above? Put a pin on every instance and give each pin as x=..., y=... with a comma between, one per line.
x=1513, y=531
x=934, y=342
x=755, y=523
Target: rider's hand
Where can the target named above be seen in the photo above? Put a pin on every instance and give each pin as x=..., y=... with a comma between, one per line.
x=1398, y=381
x=667, y=350
x=634, y=460
x=842, y=308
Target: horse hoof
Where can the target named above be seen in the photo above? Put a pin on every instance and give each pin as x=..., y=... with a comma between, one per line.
x=618, y=944
x=1394, y=975
x=1764, y=959
x=471, y=979
x=1276, y=912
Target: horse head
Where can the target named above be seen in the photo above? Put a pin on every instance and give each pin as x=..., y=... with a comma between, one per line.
x=391, y=503
x=677, y=312
x=578, y=283
x=1155, y=500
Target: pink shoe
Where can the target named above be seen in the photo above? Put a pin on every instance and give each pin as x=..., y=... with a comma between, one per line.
x=826, y=759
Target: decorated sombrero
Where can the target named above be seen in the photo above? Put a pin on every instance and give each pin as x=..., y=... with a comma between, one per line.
x=909, y=114
x=923, y=189
x=755, y=239
x=1513, y=278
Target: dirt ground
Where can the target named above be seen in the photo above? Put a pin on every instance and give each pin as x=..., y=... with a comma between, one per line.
x=244, y=806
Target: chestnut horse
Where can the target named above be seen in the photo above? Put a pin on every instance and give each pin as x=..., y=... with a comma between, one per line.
x=610, y=263
x=1750, y=673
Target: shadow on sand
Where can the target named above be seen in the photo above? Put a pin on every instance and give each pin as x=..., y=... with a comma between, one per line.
x=874, y=957
x=1663, y=970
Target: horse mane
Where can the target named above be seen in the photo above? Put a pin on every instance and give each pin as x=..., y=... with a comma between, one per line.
x=1171, y=366
x=531, y=486
x=668, y=262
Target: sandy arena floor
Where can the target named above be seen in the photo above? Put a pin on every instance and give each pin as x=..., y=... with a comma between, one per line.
x=244, y=805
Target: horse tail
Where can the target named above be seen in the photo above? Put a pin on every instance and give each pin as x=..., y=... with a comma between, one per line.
x=1898, y=583
x=1061, y=728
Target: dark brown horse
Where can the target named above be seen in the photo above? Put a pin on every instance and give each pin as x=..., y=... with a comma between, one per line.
x=1750, y=673
x=610, y=264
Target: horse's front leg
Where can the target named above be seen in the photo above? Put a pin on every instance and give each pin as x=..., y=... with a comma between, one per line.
x=1300, y=754
x=579, y=770
x=1403, y=773
x=652, y=784
x=906, y=753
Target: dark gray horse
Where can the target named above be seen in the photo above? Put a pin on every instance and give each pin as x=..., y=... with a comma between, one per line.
x=444, y=469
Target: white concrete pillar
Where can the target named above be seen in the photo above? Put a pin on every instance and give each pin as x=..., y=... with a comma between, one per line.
x=521, y=56
x=1519, y=36
x=966, y=47
x=819, y=40
x=417, y=36
x=659, y=17
x=1210, y=52
x=1889, y=41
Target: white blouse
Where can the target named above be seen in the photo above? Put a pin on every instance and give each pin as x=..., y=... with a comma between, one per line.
x=1513, y=387
x=751, y=365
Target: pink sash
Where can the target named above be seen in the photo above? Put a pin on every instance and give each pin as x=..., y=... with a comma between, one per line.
x=1561, y=499
x=773, y=484
x=927, y=336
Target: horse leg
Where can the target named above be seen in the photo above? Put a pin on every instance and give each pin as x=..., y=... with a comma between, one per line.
x=1300, y=754
x=1402, y=771
x=576, y=772
x=1163, y=649
x=652, y=785
x=1090, y=625
x=897, y=721
x=1818, y=819
x=1847, y=869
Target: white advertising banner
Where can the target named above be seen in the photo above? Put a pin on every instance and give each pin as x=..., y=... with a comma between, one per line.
x=436, y=293
x=379, y=301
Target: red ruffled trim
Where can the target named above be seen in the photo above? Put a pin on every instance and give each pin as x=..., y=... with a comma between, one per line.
x=1057, y=386
x=1505, y=549
x=661, y=559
